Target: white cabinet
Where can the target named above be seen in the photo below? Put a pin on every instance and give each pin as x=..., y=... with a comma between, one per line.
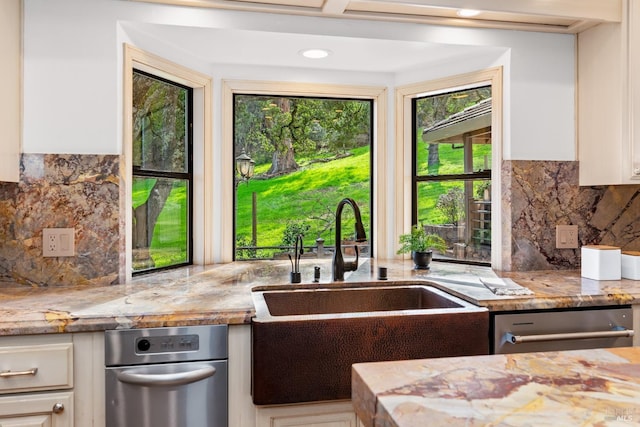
x=10, y=89
x=634, y=89
x=36, y=367
x=59, y=381
x=37, y=410
x=29, y=365
x=333, y=414
x=609, y=101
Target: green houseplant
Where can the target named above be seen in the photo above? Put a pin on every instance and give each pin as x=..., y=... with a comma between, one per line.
x=421, y=245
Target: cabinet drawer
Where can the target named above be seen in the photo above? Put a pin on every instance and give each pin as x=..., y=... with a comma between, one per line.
x=36, y=367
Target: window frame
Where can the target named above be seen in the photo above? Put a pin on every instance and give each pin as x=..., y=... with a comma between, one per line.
x=371, y=234
x=417, y=179
x=187, y=176
x=404, y=164
x=203, y=180
x=380, y=245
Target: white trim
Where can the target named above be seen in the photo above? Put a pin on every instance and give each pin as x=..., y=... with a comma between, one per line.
x=404, y=96
x=558, y=16
x=203, y=179
x=379, y=146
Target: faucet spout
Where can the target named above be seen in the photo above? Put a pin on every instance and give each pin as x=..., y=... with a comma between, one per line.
x=339, y=264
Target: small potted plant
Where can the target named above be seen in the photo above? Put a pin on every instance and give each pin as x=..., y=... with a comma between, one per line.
x=484, y=190
x=421, y=245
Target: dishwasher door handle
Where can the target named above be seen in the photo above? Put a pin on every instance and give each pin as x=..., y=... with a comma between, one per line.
x=521, y=339
x=166, y=379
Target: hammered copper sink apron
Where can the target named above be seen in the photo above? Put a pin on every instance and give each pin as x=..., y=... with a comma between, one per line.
x=298, y=357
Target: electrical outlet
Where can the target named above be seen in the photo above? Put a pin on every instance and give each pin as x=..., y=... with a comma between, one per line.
x=58, y=242
x=566, y=236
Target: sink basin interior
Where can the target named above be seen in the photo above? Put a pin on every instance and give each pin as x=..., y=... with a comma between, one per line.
x=355, y=300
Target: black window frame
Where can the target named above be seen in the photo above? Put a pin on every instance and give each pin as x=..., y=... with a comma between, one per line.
x=417, y=179
x=186, y=176
x=372, y=130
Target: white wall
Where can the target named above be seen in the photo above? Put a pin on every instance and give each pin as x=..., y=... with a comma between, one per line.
x=73, y=76
x=73, y=54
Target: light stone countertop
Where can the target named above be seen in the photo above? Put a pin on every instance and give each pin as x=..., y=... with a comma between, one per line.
x=222, y=294
x=596, y=387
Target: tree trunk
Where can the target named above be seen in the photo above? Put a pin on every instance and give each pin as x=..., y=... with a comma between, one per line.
x=145, y=218
x=283, y=162
x=283, y=159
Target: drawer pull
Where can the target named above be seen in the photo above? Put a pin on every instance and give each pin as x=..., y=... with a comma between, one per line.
x=615, y=333
x=9, y=374
x=58, y=408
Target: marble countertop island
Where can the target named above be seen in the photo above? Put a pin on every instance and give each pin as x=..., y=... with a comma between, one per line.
x=572, y=388
x=222, y=294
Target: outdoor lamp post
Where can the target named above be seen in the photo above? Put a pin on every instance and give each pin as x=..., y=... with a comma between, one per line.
x=244, y=166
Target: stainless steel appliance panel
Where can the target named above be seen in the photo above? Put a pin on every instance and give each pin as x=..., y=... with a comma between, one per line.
x=523, y=332
x=190, y=394
x=170, y=344
x=167, y=377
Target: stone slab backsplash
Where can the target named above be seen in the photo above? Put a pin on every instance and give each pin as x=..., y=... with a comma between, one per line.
x=62, y=191
x=84, y=191
x=538, y=195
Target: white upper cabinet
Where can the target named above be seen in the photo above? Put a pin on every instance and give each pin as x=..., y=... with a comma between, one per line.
x=10, y=89
x=609, y=101
x=634, y=90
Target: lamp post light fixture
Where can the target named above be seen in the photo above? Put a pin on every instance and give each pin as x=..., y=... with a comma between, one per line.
x=245, y=166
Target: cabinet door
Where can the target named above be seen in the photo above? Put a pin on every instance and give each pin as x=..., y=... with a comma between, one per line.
x=10, y=88
x=37, y=410
x=338, y=414
x=27, y=421
x=634, y=89
x=325, y=420
x=602, y=103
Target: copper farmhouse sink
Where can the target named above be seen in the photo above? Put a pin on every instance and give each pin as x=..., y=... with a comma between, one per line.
x=305, y=340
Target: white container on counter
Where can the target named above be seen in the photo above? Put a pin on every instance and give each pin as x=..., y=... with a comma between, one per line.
x=601, y=262
x=630, y=263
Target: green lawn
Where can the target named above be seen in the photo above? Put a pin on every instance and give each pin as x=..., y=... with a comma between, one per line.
x=309, y=195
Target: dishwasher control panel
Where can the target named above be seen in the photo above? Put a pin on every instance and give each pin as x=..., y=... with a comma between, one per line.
x=167, y=344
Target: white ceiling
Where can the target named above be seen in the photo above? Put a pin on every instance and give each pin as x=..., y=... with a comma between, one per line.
x=212, y=45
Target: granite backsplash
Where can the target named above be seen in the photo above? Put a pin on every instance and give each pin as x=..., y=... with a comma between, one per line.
x=84, y=192
x=538, y=195
x=62, y=191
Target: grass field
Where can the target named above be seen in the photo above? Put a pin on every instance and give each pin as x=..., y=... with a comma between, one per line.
x=308, y=196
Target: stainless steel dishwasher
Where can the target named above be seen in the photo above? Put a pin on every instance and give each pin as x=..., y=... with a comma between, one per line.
x=167, y=377
x=569, y=329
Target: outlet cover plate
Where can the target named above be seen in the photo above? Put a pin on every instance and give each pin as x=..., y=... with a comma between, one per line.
x=566, y=236
x=58, y=242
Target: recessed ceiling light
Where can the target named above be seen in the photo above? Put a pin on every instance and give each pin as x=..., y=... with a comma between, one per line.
x=315, y=53
x=467, y=13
